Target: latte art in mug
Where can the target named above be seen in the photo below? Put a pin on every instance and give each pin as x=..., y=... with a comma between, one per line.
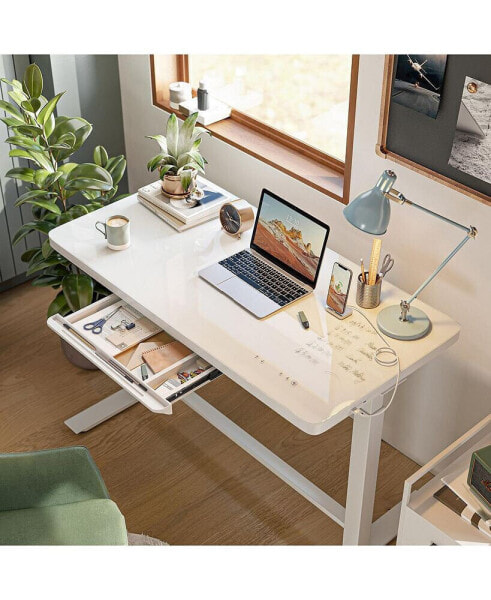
x=116, y=230
x=117, y=221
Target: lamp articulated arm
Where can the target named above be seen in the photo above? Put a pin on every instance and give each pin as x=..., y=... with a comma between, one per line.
x=471, y=233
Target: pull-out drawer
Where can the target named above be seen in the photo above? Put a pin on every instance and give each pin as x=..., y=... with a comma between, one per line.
x=120, y=357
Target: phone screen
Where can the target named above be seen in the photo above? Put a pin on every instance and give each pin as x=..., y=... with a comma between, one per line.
x=339, y=288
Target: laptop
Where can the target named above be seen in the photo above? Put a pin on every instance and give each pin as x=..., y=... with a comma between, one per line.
x=282, y=263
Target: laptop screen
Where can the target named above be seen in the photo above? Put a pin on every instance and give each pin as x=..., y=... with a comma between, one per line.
x=289, y=237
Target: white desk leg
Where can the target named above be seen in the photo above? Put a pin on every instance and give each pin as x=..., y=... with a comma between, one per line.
x=362, y=479
x=100, y=412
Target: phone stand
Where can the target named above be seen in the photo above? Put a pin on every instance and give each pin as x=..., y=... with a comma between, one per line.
x=347, y=312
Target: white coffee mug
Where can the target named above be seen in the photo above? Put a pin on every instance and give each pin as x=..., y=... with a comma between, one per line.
x=116, y=231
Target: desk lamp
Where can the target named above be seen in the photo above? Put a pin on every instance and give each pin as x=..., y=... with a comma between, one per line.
x=370, y=212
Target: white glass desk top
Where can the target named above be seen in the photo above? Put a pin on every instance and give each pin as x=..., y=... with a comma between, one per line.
x=313, y=378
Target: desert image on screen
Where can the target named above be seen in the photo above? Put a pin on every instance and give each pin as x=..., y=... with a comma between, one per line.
x=292, y=238
x=336, y=298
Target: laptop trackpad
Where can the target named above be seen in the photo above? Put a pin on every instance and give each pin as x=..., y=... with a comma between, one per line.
x=248, y=297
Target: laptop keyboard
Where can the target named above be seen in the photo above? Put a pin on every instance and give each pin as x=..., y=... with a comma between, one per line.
x=266, y=279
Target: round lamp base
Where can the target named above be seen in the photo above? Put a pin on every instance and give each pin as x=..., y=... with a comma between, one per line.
x=416, y=326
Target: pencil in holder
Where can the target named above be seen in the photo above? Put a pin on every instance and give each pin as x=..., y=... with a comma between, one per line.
x=368, y=296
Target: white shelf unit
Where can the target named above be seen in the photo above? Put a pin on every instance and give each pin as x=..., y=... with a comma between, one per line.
x=424, y=520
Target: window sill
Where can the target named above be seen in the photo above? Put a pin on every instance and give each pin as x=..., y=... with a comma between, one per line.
x=295, y=164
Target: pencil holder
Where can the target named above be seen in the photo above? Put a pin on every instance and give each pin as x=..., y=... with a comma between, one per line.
x=368, y=296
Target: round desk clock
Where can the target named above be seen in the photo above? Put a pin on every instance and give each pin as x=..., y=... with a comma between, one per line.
x=236, y=217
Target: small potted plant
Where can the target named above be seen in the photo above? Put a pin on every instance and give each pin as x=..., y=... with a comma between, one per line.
x=179, y=160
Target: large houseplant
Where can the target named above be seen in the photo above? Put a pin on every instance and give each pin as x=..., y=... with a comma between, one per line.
x=179, y=159
x=59, y=190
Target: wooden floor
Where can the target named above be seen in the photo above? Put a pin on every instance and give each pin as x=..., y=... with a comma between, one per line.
x=175, y=477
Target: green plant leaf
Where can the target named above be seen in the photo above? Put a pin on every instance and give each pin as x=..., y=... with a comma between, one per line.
x=44, y=263
x=22, y=173
x=172, y=135
x=49, y=126
x=79, y=127
x=11, y=109
x=160, y=139
x=29, y=254
x=18, y=96
x=33, y=80
x=46, y=248
x=117, y=169
x=100, y=156
x=78, y=290
x=89, y=176
x=58, y=306
x=190, y=165
x=52, y=177
x=154, y=162
x=32, y=105
x=28, y=130
x=47, y=281
x=38, y=157
x=47, y=205
x=24, y=142
x=186, y=179
x=78, y=210
x=33, y=194
x=81, y=183
x=42, y=226
x=186, y=134
x=14, y=83
x=47, y=110
x=164, y=169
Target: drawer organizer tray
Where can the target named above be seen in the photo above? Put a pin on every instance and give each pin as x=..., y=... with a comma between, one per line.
x=151, y=392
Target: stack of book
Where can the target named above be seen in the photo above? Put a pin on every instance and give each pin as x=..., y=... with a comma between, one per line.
x=179, y=214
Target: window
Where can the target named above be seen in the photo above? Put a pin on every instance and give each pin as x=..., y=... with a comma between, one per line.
x=293, y=112
x=303, y=96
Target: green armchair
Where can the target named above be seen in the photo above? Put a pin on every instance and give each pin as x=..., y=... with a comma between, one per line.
x=56, y=497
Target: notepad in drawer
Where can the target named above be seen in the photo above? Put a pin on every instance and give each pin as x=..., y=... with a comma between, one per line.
x=133, y=357
x=165, y=356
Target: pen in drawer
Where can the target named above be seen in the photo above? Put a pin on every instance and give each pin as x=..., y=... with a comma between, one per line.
x=80, y=337
x=121, y=371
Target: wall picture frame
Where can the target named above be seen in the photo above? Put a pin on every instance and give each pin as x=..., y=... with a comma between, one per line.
x=422, y=144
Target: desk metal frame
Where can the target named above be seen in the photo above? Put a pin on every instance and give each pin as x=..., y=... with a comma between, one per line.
x=366, y=439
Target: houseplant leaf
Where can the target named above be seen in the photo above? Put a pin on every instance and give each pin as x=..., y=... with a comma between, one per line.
x=33, y=194
x=162, y=142
x=47, y=110
x=186, y=134
x=24, y=142
x=117, y=168
x=22, y=173
x=33, y=80
x=10, y=108
x=172, y=135
x=78, y=290
x=59, y=305
x=32, y=105
x=100, y=156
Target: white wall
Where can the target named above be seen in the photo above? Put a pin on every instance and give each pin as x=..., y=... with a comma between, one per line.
x=451, y=394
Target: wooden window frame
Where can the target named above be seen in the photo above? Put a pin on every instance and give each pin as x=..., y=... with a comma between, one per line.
x=297, y=159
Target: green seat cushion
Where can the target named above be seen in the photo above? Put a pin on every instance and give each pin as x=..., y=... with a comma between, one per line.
x=91, y=522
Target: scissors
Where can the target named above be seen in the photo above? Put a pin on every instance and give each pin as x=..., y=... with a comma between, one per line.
x=96, y=326
x=387, y=265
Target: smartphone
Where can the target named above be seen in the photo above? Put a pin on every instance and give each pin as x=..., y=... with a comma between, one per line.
x=337, y=296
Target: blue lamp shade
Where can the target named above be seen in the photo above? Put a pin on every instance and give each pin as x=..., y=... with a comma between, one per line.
x=370, y=211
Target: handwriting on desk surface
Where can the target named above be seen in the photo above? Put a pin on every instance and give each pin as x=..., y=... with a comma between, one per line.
x=348, y=346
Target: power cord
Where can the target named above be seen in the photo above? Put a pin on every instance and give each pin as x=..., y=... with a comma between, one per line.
x=389, y=362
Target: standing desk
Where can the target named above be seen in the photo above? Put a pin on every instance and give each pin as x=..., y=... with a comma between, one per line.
x=309, y=377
